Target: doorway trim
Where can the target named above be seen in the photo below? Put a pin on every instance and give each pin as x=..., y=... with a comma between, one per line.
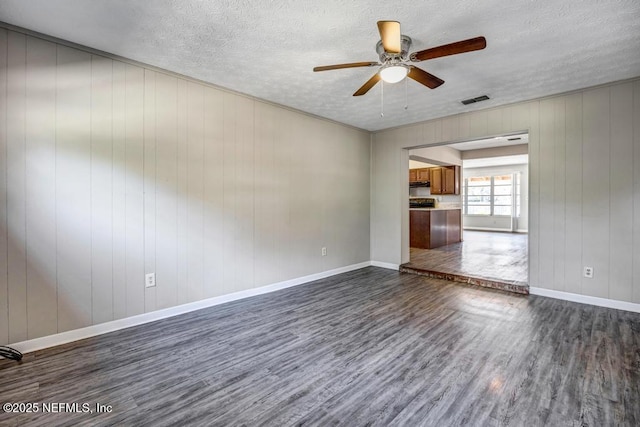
x=404, y=199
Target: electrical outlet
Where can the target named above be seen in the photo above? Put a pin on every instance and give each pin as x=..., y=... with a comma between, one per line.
x=149, y=280
x=324, y=251
x=588, y=272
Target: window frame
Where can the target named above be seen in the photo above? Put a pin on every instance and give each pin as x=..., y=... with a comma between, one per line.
x=513, y=195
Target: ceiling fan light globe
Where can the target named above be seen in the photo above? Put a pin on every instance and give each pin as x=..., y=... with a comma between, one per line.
x=394, y=73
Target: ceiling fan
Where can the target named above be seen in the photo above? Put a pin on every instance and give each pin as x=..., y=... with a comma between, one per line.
x=393, y=51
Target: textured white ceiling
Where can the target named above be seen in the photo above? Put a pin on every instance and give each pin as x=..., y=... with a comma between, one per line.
x=267, y=49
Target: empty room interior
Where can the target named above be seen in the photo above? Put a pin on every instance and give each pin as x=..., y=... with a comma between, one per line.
x=212, y=214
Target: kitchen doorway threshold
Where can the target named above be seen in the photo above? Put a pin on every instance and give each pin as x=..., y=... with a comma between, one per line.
x=484, y=258
x=515, y=287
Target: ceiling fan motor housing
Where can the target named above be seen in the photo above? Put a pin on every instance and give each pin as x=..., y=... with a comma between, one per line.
x=393, y=51
x=405, y=43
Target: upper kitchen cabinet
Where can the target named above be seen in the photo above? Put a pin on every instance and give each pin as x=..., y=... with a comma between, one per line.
x=451, y=182
x=436, y=181
x=445, y=180
x=423, y=174
x=419, y=175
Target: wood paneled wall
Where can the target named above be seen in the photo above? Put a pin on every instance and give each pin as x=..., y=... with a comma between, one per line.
x=584, y=154
x=110, y=170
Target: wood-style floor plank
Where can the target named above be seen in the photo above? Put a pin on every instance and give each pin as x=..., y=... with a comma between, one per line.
x=370, y=347
x=495, y=260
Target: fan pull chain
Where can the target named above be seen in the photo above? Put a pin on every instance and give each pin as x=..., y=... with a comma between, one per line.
x=406, y=94
x=382, y=98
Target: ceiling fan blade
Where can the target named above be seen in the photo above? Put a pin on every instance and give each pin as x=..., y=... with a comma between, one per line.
x=463, y=46
x=421, y=76
x=368, y=85
x=390, y=36
x=350, y=65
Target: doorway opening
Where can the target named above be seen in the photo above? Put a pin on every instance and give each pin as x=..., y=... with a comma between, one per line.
x=468, y=212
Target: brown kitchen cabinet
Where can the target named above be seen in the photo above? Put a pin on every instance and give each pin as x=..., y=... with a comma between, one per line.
x=423, y=175
x=420, y=229
x=419, y=175
x=432, y=228
x=436, y=181
x=454, y=225
x=445, y=180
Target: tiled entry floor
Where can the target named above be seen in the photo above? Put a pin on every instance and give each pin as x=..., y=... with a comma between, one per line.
x=491, y=259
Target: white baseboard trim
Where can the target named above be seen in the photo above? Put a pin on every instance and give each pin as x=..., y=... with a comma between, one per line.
x=114, y=325
x=385, y=265
x=584, y=299
x=502, y=230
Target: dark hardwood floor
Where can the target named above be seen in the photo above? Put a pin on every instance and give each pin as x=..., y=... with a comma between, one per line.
x=369, y=347
x=491, y=259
